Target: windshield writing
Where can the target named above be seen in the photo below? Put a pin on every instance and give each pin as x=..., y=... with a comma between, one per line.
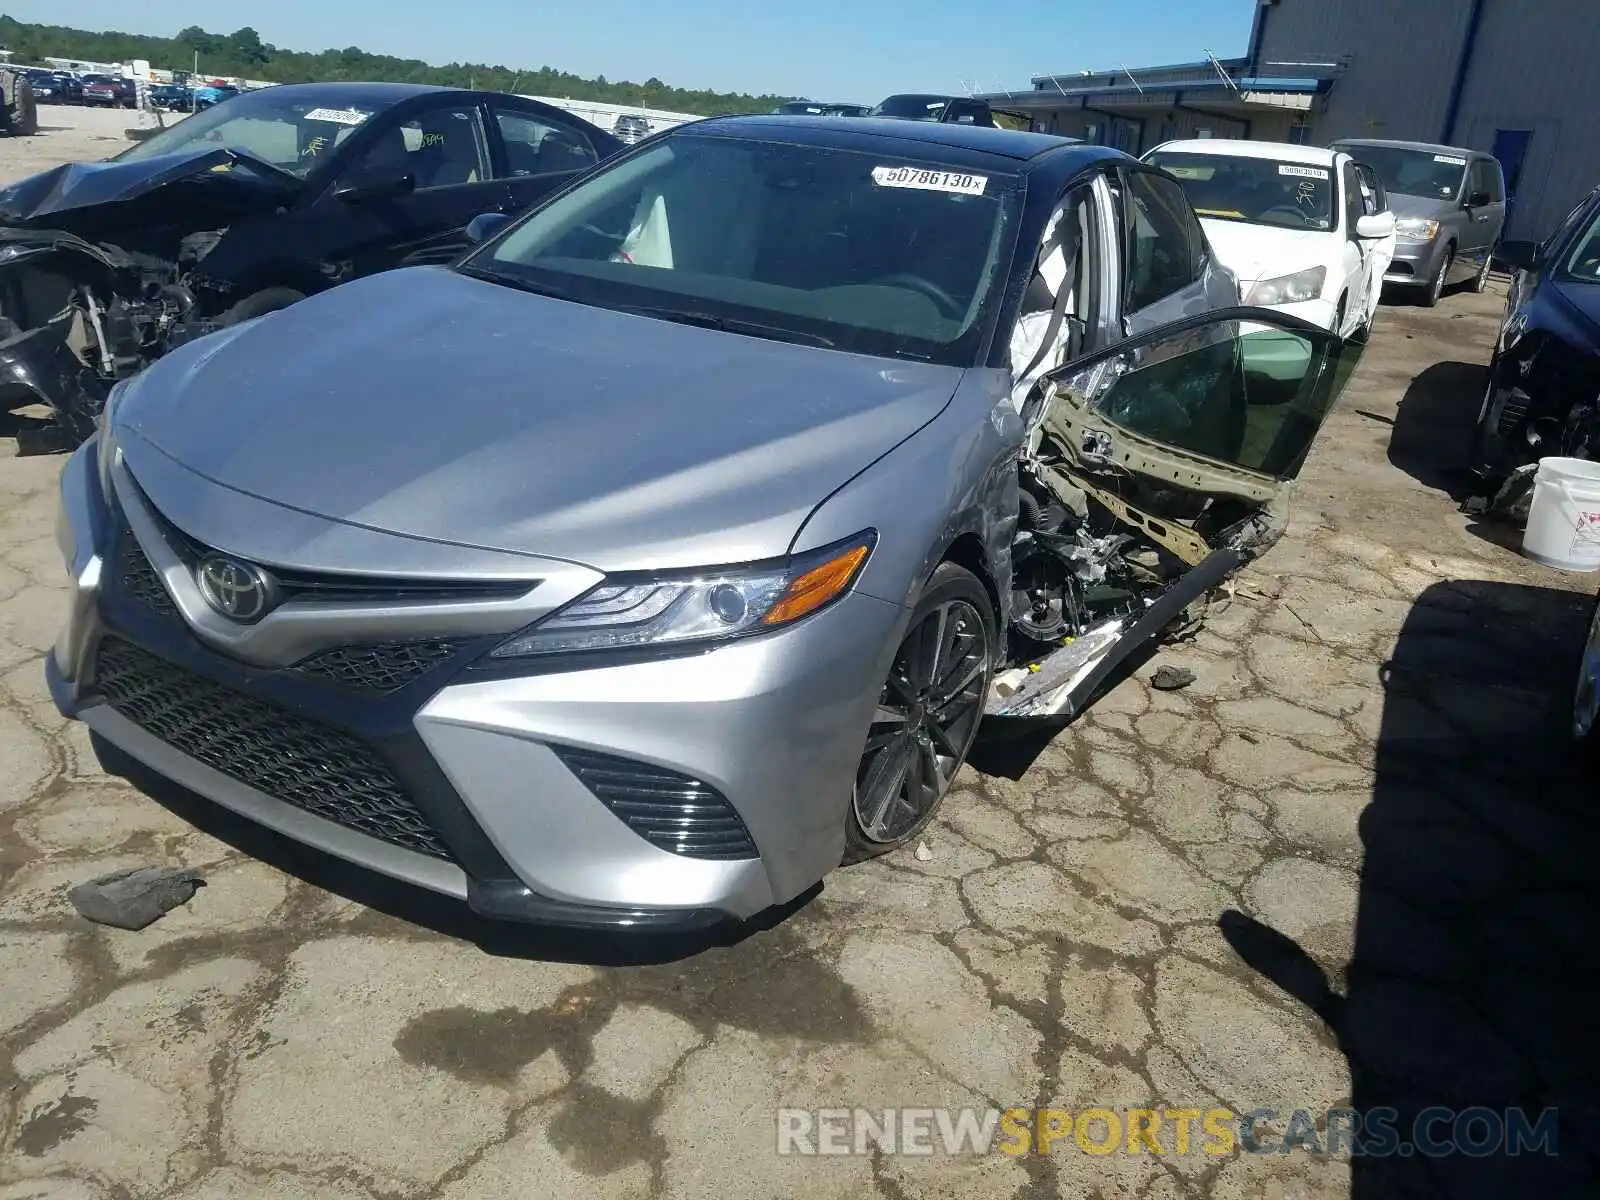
x=292, y=136
x=1256, y=191
x=1415, y=172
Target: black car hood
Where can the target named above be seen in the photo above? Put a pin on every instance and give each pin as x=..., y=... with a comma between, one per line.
x=1582, y=300
x=215, y=180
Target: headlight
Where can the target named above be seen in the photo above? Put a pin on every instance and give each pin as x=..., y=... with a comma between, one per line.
x=1416, y=229
x=705, y=607
x=1290, y=289
x=107, y=451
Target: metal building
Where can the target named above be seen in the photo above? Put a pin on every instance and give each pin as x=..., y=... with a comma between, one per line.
x=1513, y=77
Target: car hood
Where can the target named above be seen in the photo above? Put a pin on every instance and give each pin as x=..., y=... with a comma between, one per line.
x=1254, y=252
x=433, y=405
x=209, y=178
x=1420, y=206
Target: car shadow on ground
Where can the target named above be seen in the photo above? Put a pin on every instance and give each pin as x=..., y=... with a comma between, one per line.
x=1432, y=438
x=420, y=907
x=1472, y=980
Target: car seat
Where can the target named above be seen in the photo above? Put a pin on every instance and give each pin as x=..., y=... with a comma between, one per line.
x=449, y=153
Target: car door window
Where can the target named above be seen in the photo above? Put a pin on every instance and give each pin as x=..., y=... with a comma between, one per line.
x=1486, y=181
x=1165, y=246
x=1355, y=201
x=1374, y=198
x=439, y=147
x=537, y=146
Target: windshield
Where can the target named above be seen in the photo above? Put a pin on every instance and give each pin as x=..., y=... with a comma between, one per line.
x=293, y=135
x=1414, y=172
x=916, y=108
x=862, y=252
x=1256, y=191
x=1583, y=263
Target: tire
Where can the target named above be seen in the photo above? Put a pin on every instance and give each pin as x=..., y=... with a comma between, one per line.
x=1480, y=284
x=928, y=714
x=259, y=304
x=1436, y=286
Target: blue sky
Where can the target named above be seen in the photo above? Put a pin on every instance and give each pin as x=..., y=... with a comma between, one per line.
x=852, y=50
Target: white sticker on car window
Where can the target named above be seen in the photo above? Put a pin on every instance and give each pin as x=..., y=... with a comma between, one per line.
x=1303, y=172
x=1449, y=160
x=957, y=182
x=339, y=116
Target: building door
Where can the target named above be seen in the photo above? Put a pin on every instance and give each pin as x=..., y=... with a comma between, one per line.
x=1511, y=148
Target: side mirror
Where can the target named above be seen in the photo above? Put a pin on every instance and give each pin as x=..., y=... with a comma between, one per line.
x=1375, y=226
x=376, y=183
x=1521, y=256
x=485, y=225
x=1479, y=200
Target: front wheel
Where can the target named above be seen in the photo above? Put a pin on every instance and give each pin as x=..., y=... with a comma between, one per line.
x=928, y=714
x=1435, y=292
x=1480, y=282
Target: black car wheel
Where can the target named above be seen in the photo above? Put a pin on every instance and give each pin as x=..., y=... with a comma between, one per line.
x=928, y=714
x=1435, y=292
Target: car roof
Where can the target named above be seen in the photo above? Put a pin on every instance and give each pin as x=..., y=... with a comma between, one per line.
x=393, y=93
x=1290, y=152
x=1425, y=147
x=894, y=134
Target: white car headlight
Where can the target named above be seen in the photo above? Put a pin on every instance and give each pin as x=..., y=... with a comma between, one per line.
x=705, y=607
x=1416, y=229
x=1289, y=289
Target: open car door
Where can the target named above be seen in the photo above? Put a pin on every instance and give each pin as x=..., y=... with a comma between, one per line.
x=1169, y=456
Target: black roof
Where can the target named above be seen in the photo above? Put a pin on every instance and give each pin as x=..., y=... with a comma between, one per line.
x=346, y=92
x=1424, y=147
x=973, y=139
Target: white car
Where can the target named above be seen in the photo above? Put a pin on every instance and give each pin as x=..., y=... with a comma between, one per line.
x=1308, y=231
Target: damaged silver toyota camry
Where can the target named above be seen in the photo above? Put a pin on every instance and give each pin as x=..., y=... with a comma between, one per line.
x=670, y=549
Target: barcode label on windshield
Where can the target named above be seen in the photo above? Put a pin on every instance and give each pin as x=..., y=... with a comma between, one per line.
x=1303, y=172
x=930, y=181
x=339, y=116
x=1449, y=160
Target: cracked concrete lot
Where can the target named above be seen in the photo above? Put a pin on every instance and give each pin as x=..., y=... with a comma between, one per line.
x=1346, y=867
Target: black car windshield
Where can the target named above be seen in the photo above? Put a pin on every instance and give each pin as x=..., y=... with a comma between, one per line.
x=1256, y=191
x=915, y=108
x=292, y=132
x=1433, y=174
x=871, y=253
x=1582, y=265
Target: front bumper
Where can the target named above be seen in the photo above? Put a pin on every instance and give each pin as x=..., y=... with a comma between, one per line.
x=770, y=728
x=1415, y=263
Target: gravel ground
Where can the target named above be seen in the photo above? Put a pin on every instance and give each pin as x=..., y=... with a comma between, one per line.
x=1344, y=866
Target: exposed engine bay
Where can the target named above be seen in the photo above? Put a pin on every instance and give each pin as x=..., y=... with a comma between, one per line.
x=100, y=277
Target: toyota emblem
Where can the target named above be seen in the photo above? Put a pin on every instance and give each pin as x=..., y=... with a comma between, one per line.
x=237, y=590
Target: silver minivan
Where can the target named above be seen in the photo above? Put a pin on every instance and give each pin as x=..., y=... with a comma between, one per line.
x=1451, y=205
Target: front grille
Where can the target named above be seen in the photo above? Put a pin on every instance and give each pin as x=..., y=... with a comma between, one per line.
x=137, y=578
x=383, y=668
x=673, y=812
x=296, y=760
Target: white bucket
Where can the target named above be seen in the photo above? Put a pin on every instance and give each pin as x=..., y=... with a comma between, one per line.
x=1564, y=520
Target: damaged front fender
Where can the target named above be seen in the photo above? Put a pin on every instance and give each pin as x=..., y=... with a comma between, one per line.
x=38, y=367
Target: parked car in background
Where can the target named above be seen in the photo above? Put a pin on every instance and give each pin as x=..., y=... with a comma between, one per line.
x=1543, y=397
x=950, y=110
x=819, y=108
x=630, y=127
x=1451, y=209
x=559, y=652
x=1307, y=231
x=212, y=93
x=247, y=207
x=66, y=89
x=171, y=96
x=44, y=84
x=106, y=92
x=19, y=114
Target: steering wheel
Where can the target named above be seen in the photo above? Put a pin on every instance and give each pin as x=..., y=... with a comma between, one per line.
x=943, y=300
x=1293, y=211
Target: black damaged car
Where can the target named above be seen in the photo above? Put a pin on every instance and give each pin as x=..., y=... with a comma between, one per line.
x=1543, y=397
x=246, y=208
